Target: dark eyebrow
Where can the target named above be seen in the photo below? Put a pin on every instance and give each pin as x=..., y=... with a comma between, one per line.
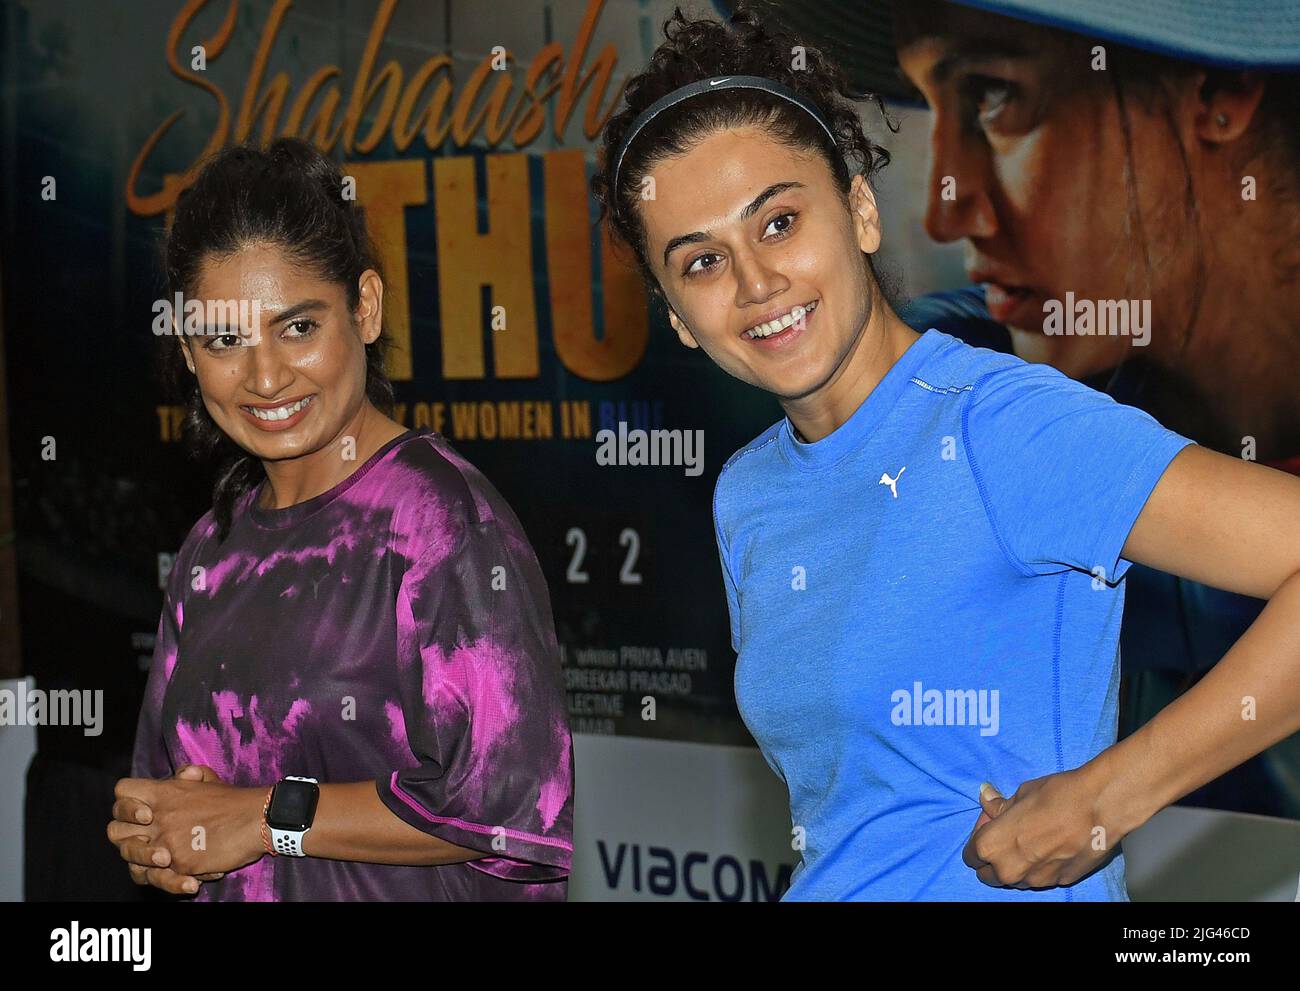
x=974, y=50
x=752, y=208
x=293, y=311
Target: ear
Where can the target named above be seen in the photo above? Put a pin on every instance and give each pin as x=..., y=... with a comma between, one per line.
x=683, y=332
x=866, y=219
x=184, y=342
x=1226, y=105
x=370, y=307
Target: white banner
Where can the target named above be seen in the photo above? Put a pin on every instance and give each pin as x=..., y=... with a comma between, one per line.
x=656, y=820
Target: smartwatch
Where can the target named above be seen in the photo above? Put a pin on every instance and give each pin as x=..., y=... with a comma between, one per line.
x=290, y=813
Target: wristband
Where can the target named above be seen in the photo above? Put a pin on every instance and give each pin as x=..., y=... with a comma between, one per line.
x=266, y=838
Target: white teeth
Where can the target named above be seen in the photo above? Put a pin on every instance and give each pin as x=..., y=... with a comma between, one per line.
x=280, y=412
x=776, y=326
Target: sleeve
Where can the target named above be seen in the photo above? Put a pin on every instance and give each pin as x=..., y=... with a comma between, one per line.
x=1063, y=469
x=482, y=699
x=733, y=598
x=150, y=758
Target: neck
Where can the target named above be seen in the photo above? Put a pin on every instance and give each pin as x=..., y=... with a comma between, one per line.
x=290, y=481
x=880, y=343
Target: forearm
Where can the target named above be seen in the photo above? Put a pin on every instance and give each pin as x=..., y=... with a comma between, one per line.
x=351, y=823
x=1245, y=704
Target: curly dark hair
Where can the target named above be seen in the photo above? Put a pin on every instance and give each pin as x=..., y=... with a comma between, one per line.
x=744, y=45
x=290, y=195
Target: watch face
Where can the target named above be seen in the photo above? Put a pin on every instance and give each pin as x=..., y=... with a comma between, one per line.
x=293, y=805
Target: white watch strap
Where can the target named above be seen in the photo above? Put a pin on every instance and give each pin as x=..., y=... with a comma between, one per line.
x=287, y=842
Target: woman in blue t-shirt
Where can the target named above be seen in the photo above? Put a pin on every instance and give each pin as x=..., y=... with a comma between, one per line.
x=923, y=558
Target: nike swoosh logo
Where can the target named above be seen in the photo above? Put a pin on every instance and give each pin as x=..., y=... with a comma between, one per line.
x=714, y=82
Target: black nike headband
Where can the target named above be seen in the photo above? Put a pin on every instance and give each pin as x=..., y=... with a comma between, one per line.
x=712, y=85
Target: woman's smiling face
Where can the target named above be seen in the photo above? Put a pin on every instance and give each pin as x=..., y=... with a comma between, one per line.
x=759, y=258
x=303, y=356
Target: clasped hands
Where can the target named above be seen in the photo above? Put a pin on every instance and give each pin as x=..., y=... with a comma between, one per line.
x=175, y=833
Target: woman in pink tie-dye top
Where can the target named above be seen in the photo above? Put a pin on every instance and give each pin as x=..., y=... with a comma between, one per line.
x=360, y=606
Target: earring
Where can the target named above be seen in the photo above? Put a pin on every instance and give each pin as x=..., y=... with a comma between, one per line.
x=1221, y=119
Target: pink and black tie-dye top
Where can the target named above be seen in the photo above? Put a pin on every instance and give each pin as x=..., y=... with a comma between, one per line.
x=396, y=628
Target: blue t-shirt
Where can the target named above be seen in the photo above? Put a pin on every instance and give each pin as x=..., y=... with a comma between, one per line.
x=929, y=598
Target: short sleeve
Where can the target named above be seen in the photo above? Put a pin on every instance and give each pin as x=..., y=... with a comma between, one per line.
x=482, y=702
x=150, y=758
x=1063, y=469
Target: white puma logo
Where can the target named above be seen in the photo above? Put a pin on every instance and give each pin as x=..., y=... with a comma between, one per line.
x=893, y=482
